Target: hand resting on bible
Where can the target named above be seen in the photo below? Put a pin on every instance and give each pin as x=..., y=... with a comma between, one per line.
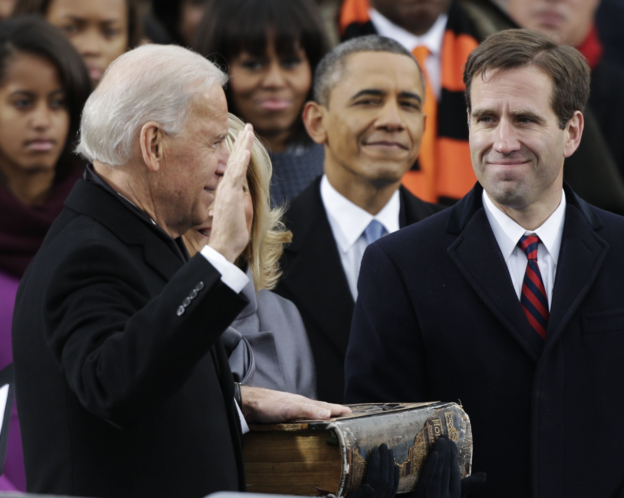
x=265, y=406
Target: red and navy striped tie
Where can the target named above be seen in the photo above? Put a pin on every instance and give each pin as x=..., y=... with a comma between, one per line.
x=534, y=298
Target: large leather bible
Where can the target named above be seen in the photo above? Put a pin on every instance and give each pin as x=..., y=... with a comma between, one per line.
x=319, y=457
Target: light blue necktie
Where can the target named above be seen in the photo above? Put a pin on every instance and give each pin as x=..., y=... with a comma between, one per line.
x=374, y=231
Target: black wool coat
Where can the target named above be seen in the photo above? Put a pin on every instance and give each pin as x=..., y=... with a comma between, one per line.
x=437, y=318
x=313, y=279
x=123, y=384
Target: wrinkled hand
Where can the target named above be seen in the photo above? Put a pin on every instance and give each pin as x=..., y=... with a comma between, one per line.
x=382, y=475
x=440, y=476
x=266, y=406
x=229, y=234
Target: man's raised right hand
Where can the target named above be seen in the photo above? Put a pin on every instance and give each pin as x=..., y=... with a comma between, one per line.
x=229, y=234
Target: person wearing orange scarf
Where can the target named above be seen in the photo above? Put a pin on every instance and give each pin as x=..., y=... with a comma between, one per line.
x=441, y=37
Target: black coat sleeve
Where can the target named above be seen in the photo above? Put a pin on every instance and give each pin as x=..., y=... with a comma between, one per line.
x=121, y=349
x=385, y=359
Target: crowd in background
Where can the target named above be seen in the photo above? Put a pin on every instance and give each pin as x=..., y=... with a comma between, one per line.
x=54, y=52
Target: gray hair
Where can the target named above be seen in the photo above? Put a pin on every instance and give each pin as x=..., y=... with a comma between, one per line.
x=331, y=68
x=149, y=83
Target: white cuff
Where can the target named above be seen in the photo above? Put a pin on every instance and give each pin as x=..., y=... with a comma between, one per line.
x=244, y=426
x=231, y=275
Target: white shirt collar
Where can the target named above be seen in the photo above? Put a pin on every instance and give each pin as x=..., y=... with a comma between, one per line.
x=349, y=221
x=507, y=232
x=432, y=39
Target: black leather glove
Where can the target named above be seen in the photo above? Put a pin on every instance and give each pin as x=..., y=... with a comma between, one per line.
x=471, y=482
x=382, y=475
x=440, y=476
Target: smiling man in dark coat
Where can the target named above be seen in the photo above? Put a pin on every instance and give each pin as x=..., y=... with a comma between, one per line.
x=123, y=382
x=371, y=124
x=512, y=300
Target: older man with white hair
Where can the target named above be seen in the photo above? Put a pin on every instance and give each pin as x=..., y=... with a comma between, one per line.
x=123, y=384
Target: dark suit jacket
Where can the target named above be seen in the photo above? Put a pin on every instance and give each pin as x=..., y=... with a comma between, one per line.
x=313, y=278
x=121, y=394
x=437, y=318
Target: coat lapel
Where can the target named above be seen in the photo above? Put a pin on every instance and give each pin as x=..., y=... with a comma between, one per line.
x=315, y=274
x=581, y=257
x=478, y=257
x=160, y=257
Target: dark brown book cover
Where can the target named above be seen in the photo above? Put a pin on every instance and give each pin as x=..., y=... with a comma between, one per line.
x=319, y=457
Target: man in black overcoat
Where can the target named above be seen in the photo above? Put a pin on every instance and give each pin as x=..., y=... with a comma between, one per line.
x=123, y=383
x=512, y=300
x=370, y=123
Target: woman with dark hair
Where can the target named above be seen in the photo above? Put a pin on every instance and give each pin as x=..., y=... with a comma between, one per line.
x=43, y=87
x=101, y=30
x=271, y=48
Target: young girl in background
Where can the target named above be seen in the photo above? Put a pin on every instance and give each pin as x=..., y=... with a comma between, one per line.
x=43, y=87
x=101, y=30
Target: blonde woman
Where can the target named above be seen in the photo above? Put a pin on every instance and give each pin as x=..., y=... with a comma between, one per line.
x=267, y=344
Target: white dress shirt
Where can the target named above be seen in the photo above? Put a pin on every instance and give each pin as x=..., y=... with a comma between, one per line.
x=508, y=233
x=348, y=222
x=231, y=275
x=432, y=39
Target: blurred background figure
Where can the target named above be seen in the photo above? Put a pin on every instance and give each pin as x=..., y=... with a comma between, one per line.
x=267, y=344
x=573, y=22
x=101, y=30
x=610, y=19
x=43, y=87
x=6, y=8
x=179, y=18
x=271, y=49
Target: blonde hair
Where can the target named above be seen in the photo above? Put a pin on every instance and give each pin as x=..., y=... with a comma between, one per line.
x=268, y=233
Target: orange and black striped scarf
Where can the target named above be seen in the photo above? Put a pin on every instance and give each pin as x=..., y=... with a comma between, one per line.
x=443, y=172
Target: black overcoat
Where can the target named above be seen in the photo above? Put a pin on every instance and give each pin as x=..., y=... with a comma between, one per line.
x=123, y=384
x=437, y=318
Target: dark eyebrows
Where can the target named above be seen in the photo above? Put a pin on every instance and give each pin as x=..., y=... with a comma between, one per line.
x=529, y=115
x=30, y=94
x=83, y=20
x=22, y=92
x=368, y=92
x=479, y=113
x=410, y=95
x=372, y=92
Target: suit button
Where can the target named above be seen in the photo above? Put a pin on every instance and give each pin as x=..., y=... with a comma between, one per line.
x=193, y=294
x=186, y=302
x=199, y=286
x=180, y=311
